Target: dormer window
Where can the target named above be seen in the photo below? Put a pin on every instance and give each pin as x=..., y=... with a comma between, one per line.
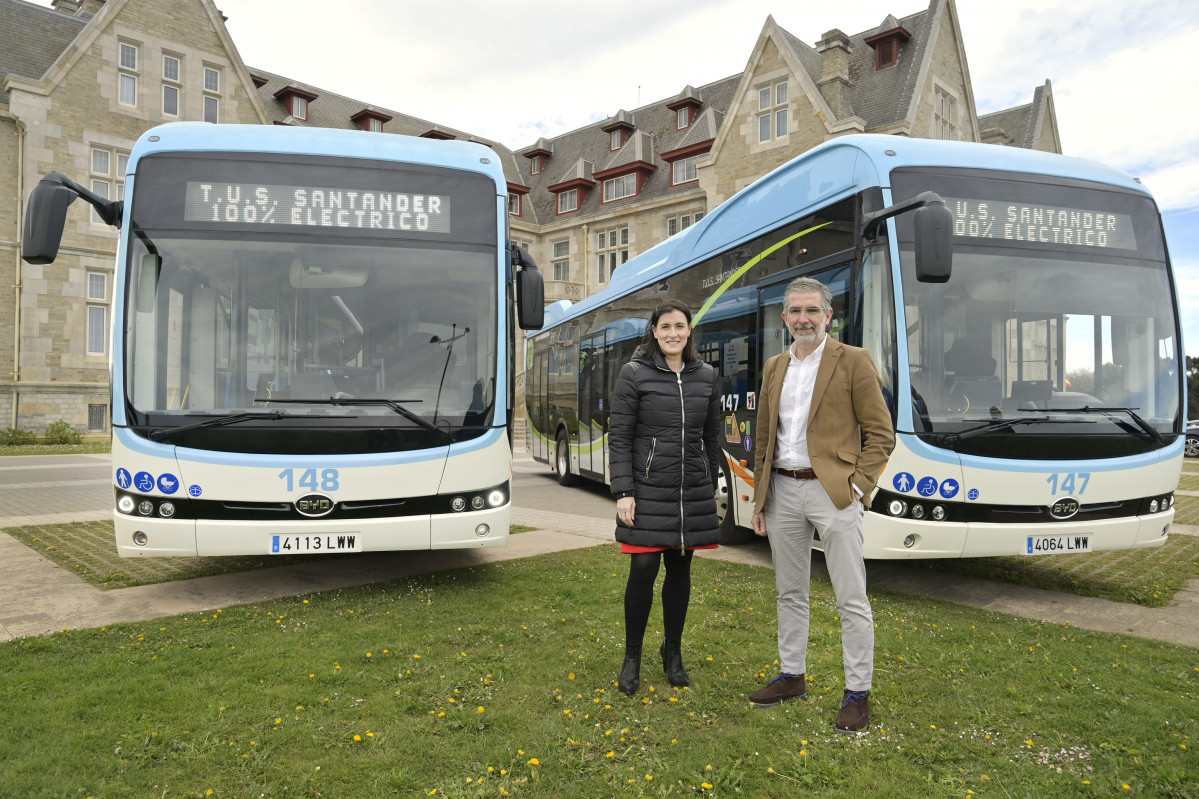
x=535, y=165
x=296, y=101
x=616, y=139
x=683, y=117
x=887, y=46
x=370, y=120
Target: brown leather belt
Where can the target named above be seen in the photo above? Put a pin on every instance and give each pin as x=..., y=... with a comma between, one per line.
x=796, y=474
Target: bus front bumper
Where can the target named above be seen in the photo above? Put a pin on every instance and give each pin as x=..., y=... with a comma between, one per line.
x=888, y=538
x=208, y=538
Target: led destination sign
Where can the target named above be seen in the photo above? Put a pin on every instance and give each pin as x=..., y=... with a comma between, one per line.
x=315, y=206
x=1044, y=224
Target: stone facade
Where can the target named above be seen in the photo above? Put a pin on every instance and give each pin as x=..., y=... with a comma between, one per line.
x=108, y=66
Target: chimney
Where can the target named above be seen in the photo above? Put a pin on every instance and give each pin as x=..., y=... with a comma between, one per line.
x=67, y=6
x=834, y=72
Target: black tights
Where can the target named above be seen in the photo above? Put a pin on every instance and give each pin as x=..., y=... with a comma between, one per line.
x=639, y=593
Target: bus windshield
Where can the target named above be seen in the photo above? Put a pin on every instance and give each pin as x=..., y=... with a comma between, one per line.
x=336, y=325
x=1057, y=318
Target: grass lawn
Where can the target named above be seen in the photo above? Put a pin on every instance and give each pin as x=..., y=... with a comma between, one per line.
x=498, y=681
x=86, y=447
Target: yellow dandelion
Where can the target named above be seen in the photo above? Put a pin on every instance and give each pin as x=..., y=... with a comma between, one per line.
x=610, y=755
x=357, y=739
x=534, y=761
x=480, y=709
x=649, y=777
x=707, y=786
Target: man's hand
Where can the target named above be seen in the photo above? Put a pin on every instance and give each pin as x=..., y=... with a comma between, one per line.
x=758, y=520
x=625, y=507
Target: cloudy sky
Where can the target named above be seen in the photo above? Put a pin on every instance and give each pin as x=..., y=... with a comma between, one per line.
x=1123, y=73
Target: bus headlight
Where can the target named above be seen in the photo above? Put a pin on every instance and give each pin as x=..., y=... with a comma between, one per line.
x=1153, y=506
x=938, y=512
x=166, y=510
x=909, y=541
x=140, y=538
x=897, y=507
x=482, y=530
x=477, y=502
x=145, y=507
x=917, y=511
x=495, y=499
x=458, y=504
x=126, y=504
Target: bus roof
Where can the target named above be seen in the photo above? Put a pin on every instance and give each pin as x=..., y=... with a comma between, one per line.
x=823, y=175
x=206, y=137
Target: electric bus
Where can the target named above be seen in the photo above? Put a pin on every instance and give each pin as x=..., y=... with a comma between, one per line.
x=312, y=340
x=1019, y=307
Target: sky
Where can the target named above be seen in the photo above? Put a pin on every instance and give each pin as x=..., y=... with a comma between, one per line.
x=1123, y=73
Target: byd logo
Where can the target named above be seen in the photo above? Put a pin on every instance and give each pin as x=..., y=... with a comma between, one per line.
x=314, y=505
x=1064, y=508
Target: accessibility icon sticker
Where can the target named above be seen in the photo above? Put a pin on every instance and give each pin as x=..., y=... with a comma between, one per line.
x=168, y=483
x=144, y=481
x=973, y=494
x=124, y=479
x=194, y=491
x=927, y=486
x=903, y=482
x=949, y=488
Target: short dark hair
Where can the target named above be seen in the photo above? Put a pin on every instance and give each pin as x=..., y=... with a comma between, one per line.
x=649, y=345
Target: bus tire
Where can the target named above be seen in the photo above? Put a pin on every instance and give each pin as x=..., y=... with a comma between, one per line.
x=562, y=462
x=730, y=532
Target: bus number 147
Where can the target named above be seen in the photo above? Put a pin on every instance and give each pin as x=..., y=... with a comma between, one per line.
x=1068, y=482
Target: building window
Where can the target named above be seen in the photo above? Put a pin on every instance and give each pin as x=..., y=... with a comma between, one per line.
x=127, y=79
x=97, y=313
x=621, y=187
x=568, y=201
x=96, y=414
x=170, y=68
x=104, y=176
x=612, y=250
x=683, y=171
x=561, y=260
x=683, y=117
x=615, y=139
x=299, y=107
x=514, y=204
x=212, y=109
x=676, y=223
x=535, y=165
x=212, y=80
x=772, y=108
x=945, y=115
x=374, y=125
x=170, y=100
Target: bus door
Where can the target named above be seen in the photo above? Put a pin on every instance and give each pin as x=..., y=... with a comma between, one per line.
x=537, y=412
x=593, y=404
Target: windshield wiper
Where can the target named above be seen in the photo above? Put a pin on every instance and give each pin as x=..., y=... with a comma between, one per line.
x=387, y=403
x=998, y=424
x=1150, y=431
x=161, y=434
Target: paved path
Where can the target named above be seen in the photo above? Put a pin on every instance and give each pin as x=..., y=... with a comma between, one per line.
x=37, y=597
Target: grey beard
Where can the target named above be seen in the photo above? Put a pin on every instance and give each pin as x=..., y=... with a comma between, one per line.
x=807, y=339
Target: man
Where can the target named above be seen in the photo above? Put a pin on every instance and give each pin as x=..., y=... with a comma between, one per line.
x=814, y=474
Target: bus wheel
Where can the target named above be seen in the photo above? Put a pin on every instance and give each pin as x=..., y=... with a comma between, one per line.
x=730, y=533
x=562, y=462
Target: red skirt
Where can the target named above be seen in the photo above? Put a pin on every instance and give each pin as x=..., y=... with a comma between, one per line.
x=633, y=549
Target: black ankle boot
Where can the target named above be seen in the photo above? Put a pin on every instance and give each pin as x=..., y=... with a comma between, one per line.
x=672, y=663
x=630, y=672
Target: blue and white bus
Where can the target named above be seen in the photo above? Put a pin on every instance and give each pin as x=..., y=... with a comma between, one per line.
x=312, y=340
x=1020, y=309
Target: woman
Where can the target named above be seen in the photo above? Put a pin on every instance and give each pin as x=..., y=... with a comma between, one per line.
x=663, y=449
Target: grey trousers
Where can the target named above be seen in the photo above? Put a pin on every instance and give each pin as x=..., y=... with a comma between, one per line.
x=794, y=510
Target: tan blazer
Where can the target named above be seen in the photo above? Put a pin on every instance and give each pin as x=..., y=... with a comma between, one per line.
x=847, y=403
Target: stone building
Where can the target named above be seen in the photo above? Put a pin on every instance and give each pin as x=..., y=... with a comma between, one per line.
x=80, y=81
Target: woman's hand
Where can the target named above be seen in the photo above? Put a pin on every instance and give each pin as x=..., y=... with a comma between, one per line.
x=624, y=510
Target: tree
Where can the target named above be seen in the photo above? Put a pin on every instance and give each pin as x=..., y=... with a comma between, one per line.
x=1193, y=387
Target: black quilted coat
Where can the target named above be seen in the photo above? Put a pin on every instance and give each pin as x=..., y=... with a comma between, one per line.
x=664, y=451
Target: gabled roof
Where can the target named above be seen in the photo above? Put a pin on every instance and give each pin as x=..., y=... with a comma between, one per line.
x=32, y=38
x=639, y=149
x=1022, y=126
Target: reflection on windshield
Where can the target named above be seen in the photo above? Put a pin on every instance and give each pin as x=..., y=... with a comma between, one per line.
x=243, y=325
x=1020, y=331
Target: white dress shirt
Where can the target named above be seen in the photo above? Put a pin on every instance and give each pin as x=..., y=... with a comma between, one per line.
x=795, y=403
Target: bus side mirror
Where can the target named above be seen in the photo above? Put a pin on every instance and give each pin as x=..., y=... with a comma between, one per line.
x=530, y=291
x=45, y=219
x=933, y=224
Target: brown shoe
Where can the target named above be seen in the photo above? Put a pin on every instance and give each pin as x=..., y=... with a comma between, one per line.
x=855, y=712
x=780, y=689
